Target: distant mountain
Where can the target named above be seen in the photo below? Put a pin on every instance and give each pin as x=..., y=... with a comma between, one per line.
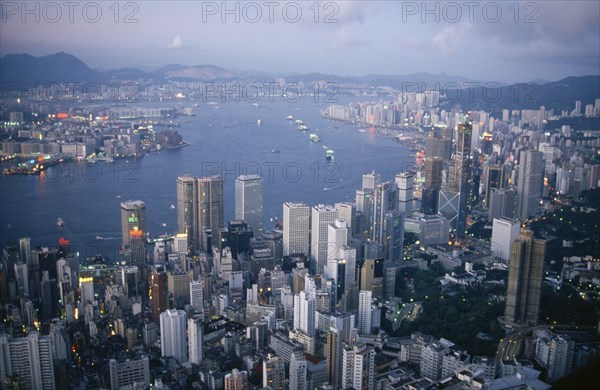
x=127, y=74
x=558, y=95
x=194, y=73
x=54, y=68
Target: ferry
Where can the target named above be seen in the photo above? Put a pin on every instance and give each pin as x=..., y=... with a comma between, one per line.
x=258, y=122
x=329, y=155
x=60, y=223
x=314, y=138
x=275, y=151
x=255, y=105
x=172, y=207
x=99, y=238
x=303, y=127
x=289, y=118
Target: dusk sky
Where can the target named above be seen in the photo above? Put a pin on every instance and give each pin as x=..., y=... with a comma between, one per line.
x=544, y=39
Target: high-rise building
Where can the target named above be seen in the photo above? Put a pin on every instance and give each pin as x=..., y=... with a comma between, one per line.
x=364, y=367
x=133, y=229
x=525, y=274
x=347, y=213
x=393, y=239
x=249, y=200
x=404, y=182
x=504, y=233
x=197, y=296
x=370, y=181
x=365, y=301
x=199, y=209
x=460, y=180
x=296, y=228
x=187, y=210
x=495, y=178
x=124, y=374
x=333, y=355
x=385, y=199
x=25, y=250
x=195, y=336
x=236, y=380
x=433, y=184
x=432, y=356
x=502, y=204
x=305, y=308
x=273, y=372
x=59, y=340
x=29, y=358
x=158, y=294
x=298, y=371
x=173, y=341
x=321, y=217
x=530, y=183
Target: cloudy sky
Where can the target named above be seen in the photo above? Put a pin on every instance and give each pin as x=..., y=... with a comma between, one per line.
x=493, y=41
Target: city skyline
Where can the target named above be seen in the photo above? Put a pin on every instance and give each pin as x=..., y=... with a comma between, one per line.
x=335, y=37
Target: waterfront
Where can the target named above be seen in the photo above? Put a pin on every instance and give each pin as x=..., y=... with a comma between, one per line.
x=225, y=139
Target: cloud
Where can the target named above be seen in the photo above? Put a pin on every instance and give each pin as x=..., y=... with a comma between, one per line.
x=451, y=39
x=176, y=43
x=344, y=38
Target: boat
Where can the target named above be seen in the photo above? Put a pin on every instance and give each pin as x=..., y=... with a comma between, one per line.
x=255, y=105
x=172, y=207
x=60, y=223
x=314, y=138
x=303, y=127
x=362, y=130
x=258, y=122
x=326, y=188
x=329, y=155
x=275, y=151
x=99, y=238
x=299, y=122
x=289, y=117
x=164, y=224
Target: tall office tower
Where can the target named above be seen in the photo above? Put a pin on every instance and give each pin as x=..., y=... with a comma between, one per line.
x=438, y=147
x=129, y=280
x=298, y=371
x=321, y=217
x=296, y=228
x=22, y=279
x=333, y=355
x=236, y=380
x=502, y=204
x=195, y=326
x=494, y=179
x=460, y=180
x=433, y=184
x=504, y=233
x=125, y=374
x=364, y=208
x=173, y=341
x=210, y=206
x=365, y=301
x=347, y=213
x=525, y=274
x=133, y=229
x=347, y=380
x=335, y=268
x=274, y=372
x=305, y=308
x=530, y=183
x=197, y=297
x=158, y=294
x=364, y=367
x=238, y=237
x=249, y=200
x=187, y=210
x=385, y=199
x=404, y=182
x=393, y=239
x=59, y=341
x=29, y=358
x=370, y=181
x=25, y=250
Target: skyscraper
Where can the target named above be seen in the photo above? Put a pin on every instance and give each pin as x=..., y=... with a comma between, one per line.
x=158, y=294
x=197, y=296
x=525, y=274
x=133, y=229
x=321, y=217
x=274, y=372
x=502, y=204
x=404, y=182
x=385, y=199
x=124, y=374
x=304, y=313
x=363, y=368
x=199, y=209
x=504, y=233
x=296, y=228
x=249, y=200
x=173, y=341
x=370, y=181
x=195, y=336
x=187, y=210
x=433, y=184
x=460, y=180
x=365, y=301
x=29, y=358
x=530, y=182
x=236, y=380
x=298, y=371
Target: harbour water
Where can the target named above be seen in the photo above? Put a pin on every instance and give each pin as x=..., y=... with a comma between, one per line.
x=228, y=139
